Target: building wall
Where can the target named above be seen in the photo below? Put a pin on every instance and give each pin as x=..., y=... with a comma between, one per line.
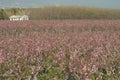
x=19, y=18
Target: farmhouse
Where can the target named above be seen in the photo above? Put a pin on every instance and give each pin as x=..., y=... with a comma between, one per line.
x=18, y=17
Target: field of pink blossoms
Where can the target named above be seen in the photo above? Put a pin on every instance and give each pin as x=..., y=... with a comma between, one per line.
x=60, y=50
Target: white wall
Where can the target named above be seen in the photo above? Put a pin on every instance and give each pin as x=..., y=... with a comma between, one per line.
x=19, y=18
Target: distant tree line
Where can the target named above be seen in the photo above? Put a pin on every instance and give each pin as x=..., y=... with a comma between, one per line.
x=62, y=12
x=2, y=14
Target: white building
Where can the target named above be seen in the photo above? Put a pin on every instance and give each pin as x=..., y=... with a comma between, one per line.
x=18, y=17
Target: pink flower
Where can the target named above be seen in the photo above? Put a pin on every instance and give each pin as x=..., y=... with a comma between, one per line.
x=84, y=68
x=60, y=53
x=55, y=61
x=87, y=78
x=38, y=49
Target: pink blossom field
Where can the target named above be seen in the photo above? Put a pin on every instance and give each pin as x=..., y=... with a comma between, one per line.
x=60, y=50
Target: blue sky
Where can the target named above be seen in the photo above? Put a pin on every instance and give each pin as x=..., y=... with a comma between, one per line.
x=36, y=3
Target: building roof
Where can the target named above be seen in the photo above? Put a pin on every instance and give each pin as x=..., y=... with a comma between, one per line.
x=14, y=16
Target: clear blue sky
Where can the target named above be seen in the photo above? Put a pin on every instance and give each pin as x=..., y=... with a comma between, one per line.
x=37, y=3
